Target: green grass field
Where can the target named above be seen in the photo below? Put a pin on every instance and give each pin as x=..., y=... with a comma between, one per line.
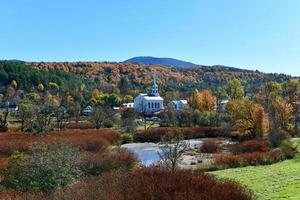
x=270, y=182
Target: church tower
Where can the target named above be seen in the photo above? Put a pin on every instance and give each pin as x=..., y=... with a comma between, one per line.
x=154, y=91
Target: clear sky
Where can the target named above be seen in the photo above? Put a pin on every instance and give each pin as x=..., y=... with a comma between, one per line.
x=252, y=34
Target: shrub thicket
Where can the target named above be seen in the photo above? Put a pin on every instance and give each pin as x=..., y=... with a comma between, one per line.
x=155, y=183
x=156, y=134
x=249, y=146
x=47, y=166
x=225, y=160
x=90, y=140
x=276, y=137
x=98, y=163
x=288, y=149
x=209, y=146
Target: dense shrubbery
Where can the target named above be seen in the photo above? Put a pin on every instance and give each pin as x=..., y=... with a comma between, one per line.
x=155, y=134
x=225, y=160
x=154, y=183
x=288, y=149
x=98, y=163
x=127, y=138
x=209, y=146
x=47, y=166
x=249, y=146
x=80, y=125
x=91, y=140
x=277, y=136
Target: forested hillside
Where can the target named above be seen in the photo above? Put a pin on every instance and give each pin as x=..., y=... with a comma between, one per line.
x=112, y=76
x=28, y=78
x=169, y=77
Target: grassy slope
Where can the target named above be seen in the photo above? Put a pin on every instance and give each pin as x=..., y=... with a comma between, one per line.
x=271, y=182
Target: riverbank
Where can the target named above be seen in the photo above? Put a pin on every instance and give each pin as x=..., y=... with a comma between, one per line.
x=148, y=153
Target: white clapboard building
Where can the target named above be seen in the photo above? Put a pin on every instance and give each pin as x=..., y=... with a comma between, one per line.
x=149, y=103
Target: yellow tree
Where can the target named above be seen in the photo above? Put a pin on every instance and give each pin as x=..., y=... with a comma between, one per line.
x=282, y=113
x=248, y=117
x=261, y=121
x=194, y=99
x=291, y=91
x=203, y=101
x=235, y=89
x=41, y=87
x=14, y=84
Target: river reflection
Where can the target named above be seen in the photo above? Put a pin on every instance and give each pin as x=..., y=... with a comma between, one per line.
x=148, y=152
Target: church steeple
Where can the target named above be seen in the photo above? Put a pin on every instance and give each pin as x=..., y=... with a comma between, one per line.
x=154, y=91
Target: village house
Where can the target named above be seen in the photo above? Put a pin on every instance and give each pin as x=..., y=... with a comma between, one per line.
x=180, y=105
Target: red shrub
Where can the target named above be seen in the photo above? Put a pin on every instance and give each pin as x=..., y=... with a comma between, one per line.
x=155, y=134
x=155, y=183
x=80, y=125
x=8, y=194
x=118, y=159
x=209, y=146
x=3, y=163
x=249, y=146
x=223, y=160
x=85, y=139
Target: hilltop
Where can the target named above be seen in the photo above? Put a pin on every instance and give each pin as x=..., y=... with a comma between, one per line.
x=148, y=60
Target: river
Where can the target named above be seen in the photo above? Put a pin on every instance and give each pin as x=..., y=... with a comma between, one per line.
x=148, y=152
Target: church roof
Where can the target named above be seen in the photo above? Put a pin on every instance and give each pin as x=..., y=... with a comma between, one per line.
x=153, y=98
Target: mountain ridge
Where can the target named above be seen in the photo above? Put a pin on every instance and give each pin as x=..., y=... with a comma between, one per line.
x=150, y=60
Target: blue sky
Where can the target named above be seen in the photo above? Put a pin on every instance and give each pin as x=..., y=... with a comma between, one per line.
x=252, y=34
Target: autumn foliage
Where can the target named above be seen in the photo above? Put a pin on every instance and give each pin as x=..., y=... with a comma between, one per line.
x=94, y=164
x=203, y=100
x=85, y=139
x=249, y=118
x=209, y=146
x=155, y=183
x=249, y=146
x=155, y=134
x=223, y=160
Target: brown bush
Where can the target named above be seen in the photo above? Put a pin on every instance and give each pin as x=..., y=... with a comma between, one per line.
x=118, y=159
x=13, y=195
x=80, y=125
x=249, y=146
x=155, y=134
x=209, y=146
x=223, y=160
x=155, y=183
x=85, y=139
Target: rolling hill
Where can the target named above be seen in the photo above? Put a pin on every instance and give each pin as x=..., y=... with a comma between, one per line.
x=139, y=75
x=148, y=60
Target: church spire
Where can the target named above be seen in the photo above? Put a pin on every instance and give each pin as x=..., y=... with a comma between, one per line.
x=154, y=79
x=154, y=87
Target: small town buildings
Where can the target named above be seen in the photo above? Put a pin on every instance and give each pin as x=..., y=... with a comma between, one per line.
x=180, y=105
x=128, y=105
x=62, y=109
x=149, y=103
x=9, y=107
x=87, y=110
x=222, y=105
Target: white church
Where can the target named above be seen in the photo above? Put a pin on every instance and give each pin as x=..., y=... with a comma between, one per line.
x=149, y=103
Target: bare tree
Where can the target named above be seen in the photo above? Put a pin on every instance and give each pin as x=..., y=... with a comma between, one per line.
x=3, y=121
x=61, y=116
x=145, y=116
x=102, y=117
x=173, y=149
x=4, y=118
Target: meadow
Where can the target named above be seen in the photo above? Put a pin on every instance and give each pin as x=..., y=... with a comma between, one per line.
x=270, y=182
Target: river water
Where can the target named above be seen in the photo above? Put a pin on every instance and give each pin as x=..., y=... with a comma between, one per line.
x=148, y=152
